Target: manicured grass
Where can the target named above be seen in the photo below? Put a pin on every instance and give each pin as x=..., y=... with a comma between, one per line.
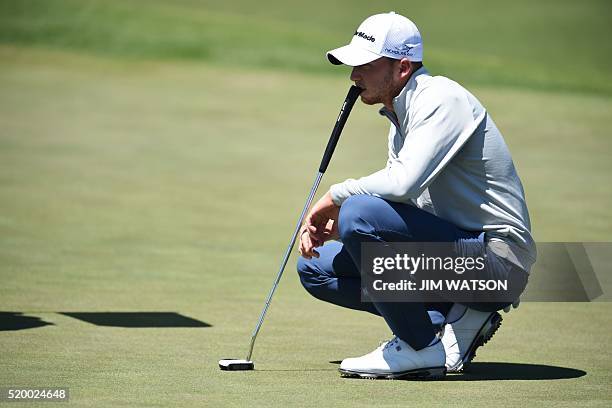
x=154, y=157
x=552, y=45
x=161, y=186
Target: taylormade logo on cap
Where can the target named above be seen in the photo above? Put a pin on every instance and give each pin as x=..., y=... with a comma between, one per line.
x=364, y=35
x=381, y=35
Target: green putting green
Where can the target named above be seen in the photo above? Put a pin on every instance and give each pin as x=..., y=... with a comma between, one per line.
x=155, y=157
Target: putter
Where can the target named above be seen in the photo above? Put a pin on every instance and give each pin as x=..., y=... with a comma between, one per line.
x=349, y=101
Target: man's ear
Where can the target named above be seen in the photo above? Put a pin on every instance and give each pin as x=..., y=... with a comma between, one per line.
x=405, y=68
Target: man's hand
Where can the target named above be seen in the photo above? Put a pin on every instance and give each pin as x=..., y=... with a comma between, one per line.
x=321, y=225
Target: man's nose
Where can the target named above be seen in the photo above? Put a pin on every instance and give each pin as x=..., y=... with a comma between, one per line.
x=355, y=74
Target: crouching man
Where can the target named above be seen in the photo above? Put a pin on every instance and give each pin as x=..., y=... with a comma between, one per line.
x=449, y=177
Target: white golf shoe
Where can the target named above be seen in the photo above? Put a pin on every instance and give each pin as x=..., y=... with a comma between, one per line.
x=396, y=359
x=462, y=337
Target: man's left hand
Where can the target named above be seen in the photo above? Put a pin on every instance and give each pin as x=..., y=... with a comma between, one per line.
x=321, y=225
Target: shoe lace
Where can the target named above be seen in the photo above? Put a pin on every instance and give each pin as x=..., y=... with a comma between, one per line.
x=394, y=340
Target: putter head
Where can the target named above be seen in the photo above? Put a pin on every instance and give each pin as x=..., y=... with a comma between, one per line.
x=232, y=364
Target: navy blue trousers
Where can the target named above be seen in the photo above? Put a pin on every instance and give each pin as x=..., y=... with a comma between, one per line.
x=334, y=277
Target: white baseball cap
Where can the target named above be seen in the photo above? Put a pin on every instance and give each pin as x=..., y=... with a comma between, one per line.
x=381, y=35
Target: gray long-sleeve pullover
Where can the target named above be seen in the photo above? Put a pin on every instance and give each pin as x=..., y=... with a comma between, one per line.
x=447, y=157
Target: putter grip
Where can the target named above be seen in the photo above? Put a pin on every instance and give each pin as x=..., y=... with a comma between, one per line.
x=351, y=97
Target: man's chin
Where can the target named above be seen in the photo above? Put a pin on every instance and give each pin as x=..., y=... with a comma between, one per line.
x=368, y=101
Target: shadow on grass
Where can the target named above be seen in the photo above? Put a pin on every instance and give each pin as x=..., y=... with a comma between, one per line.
x=514, y=371
x=137, y=319
x=10, y=321
x=297, y=370
x=509, y=371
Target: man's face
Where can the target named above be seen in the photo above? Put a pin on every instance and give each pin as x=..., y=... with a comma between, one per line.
x=377, y=80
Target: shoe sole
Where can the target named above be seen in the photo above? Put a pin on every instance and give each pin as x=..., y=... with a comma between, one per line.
x=485, y=334
x=430, y=373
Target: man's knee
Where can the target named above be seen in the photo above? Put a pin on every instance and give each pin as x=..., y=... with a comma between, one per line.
x=308, y=272
x=303, y=266
x=311, y=277
x=356, y=215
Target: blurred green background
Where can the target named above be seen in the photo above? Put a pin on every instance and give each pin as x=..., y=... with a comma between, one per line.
x=154, y=156
x=548, y=44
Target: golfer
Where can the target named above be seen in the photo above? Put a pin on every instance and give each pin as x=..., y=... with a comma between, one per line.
x=449, y=177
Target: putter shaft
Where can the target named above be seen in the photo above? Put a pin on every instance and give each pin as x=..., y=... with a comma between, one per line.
x=313, y=191
x=345, y=110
